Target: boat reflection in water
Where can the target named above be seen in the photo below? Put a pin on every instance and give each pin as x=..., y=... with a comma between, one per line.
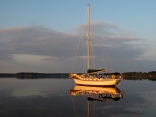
x=102, y=94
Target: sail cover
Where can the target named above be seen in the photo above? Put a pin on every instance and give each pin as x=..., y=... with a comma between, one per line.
x=96, y=70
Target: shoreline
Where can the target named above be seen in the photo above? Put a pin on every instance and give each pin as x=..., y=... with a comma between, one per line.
x=126, y=75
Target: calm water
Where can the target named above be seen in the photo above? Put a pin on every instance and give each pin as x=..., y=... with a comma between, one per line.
x=51, y=98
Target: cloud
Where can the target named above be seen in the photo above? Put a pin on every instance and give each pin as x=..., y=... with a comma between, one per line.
x=148, y=52
x=108, y=29
x=34, y=40
x=49, y=46
x=100, y=27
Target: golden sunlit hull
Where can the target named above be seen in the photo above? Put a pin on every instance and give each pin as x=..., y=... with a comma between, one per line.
x=104, y=82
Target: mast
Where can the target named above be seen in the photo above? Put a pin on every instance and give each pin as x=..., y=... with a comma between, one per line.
x=88, y=50
x=88, y=37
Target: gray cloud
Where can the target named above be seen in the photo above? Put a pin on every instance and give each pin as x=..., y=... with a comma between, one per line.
x=35, y=40
x=107, y=29
x=38, y=40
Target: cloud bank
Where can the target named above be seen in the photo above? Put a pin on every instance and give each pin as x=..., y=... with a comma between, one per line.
x=39, y=49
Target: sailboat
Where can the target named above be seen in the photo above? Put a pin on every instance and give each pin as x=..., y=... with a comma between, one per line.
x=95, y=77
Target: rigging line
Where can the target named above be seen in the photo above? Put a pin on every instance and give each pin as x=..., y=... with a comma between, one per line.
x=78, y=45
x=84, y=65
x=93, y=55
x=76, y=53
x=83, y=59
x=108, y=57
x=84, y=56
x=103, y=59
x=92, y=47
x=109, y=60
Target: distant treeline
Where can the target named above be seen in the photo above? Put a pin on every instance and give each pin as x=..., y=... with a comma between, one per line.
x=7, y=75
x=126, y=75
x=35, y=75
x=140, y=75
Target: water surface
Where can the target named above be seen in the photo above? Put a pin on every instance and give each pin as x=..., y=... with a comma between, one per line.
x=51, y=98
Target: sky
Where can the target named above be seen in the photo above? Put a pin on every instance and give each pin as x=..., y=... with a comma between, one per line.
x=49, y=36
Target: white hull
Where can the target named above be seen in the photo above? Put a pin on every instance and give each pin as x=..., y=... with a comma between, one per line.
x=104, y=82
